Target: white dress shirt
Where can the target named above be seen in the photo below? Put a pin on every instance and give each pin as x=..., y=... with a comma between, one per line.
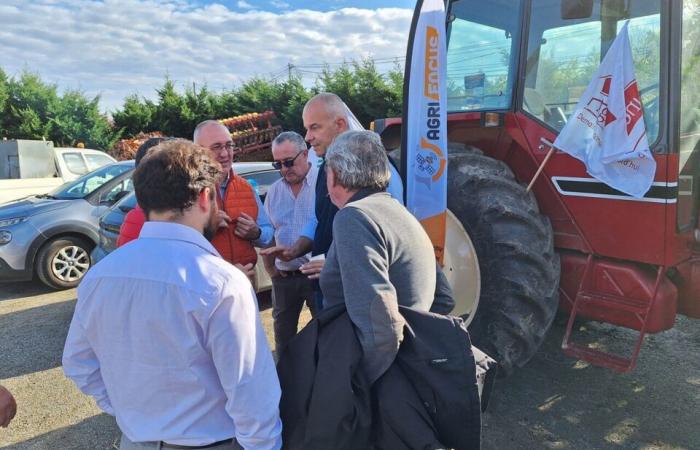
x=166, y=336
x=289, y=214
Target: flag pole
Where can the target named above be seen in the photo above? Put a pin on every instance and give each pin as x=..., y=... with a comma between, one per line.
x=544, y=162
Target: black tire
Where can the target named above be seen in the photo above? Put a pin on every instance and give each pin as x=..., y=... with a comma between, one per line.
x=62, y=262
x=515, y=247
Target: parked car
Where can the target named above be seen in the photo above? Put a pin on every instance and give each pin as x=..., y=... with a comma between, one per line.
x=51, y=235
x=37, y=167
x=260, y=174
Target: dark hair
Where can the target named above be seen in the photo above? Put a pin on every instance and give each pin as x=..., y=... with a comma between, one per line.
x=146, y=146
x=172, y=175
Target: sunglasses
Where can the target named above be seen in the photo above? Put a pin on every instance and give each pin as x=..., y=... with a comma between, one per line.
x=286, y=163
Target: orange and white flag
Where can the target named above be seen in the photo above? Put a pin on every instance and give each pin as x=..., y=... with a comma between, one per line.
x=425, y=122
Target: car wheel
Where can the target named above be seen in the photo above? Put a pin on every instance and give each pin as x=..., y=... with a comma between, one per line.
x=63, y=262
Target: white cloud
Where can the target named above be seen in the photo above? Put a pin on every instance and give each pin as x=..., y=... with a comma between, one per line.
x=119, y=47
x=244, y=5
x=280, y=4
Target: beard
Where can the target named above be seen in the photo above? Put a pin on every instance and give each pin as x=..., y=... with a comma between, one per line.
x=212, y=224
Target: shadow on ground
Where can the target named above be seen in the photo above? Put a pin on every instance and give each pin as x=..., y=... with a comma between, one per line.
x=12, y=291
x=32, y=340
x=98, y=432
x=555, y=402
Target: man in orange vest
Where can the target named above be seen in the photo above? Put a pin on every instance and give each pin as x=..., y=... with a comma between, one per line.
x=244, y=223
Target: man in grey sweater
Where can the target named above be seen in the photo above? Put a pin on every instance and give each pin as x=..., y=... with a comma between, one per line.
x=380, y=257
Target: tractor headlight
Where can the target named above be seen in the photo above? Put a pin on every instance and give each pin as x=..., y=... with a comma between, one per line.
x=12, y=221
x=5, y=237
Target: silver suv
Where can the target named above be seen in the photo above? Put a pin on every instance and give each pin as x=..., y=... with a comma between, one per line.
x=51, y=235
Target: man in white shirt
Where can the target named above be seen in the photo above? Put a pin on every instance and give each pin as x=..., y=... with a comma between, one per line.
x=290, y=204
x=166, y=335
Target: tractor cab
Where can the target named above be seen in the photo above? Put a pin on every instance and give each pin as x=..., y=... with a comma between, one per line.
x=516, y=70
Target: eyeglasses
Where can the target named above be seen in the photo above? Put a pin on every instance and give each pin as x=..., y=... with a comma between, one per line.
x=286, y=163
x=229, y=146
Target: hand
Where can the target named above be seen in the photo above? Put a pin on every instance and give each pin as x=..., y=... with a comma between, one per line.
x=313, y=269
x=246, y=228
x=224, y=219
x=248, y=270
x=278, y=251
x=8, y=407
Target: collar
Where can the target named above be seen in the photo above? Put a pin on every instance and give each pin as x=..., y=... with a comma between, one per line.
x=230, y=174
x=176, y=232
x=362, y=193
x=311, y=174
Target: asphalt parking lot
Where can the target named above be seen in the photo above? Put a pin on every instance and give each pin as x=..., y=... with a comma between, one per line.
x=553, y=403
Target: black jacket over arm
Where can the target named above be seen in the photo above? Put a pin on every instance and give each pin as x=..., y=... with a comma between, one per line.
x=428, y=398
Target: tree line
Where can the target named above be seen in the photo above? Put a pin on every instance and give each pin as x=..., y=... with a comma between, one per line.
x=31, y=108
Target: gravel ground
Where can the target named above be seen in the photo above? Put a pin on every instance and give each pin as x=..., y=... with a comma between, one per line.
x=553, y=403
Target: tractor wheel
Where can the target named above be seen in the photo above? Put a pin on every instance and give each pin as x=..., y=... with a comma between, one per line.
x=62, y=262
x=514, y=243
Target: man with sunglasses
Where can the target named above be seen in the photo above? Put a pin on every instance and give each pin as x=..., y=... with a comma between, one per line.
x=290, y=204
x=325, y=117
x=243, y=221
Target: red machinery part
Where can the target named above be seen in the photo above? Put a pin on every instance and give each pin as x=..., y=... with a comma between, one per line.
x=689, y=287
x=612, y=278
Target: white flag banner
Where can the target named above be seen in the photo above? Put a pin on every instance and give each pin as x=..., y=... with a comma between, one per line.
x=426, y=123
x=607, y=131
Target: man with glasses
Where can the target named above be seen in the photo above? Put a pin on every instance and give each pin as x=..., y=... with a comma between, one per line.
x=290, y=204
x=243, y=221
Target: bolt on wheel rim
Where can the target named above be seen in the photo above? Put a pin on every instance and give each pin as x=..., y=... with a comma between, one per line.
x=70, y=263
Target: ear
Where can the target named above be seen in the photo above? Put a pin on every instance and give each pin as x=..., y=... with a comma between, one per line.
x=204, y=200
x=341, y=123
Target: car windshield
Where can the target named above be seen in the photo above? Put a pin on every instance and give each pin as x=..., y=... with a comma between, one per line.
x=88, y=183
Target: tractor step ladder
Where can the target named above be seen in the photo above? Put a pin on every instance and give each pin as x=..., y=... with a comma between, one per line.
x=636, y=307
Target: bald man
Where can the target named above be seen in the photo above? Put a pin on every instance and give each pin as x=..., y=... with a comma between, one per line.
x=325, y=117
x=244, y=223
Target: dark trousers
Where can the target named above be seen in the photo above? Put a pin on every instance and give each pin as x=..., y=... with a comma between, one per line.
x=288, y=296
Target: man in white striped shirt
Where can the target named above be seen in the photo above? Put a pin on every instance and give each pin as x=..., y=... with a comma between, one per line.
x=290, y=204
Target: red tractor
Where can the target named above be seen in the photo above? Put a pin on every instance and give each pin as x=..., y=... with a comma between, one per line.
x=515, y=70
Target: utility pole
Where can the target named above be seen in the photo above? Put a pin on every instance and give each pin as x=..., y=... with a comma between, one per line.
x=290, y=66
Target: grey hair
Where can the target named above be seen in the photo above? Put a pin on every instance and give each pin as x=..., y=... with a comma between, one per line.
x=202, y=125
x=290, y=136
x=358, y=161
x=333, y=105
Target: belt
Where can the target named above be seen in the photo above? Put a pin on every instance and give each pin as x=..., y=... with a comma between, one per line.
x=289, y=273
x=175, y=446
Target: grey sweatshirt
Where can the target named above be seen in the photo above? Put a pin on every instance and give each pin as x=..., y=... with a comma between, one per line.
x=380, y=258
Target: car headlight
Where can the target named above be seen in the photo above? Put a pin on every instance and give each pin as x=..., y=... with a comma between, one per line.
x=12, y=221
x=5, y=237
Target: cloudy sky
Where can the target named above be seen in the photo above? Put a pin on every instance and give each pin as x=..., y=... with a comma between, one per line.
x=114, y=48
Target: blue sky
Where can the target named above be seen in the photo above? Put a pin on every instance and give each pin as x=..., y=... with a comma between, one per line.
x=116, y=48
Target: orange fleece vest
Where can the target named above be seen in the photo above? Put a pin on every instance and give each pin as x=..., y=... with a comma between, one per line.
x=239, y=197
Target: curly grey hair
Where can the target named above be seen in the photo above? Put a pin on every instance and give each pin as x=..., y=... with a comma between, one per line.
x=358, y=161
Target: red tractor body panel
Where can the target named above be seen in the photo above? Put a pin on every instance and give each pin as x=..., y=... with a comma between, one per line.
x=629, y=237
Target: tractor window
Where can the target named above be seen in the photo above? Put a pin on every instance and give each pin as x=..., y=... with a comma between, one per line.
x=563, y=55
x=689, y=176
x=482, y=54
